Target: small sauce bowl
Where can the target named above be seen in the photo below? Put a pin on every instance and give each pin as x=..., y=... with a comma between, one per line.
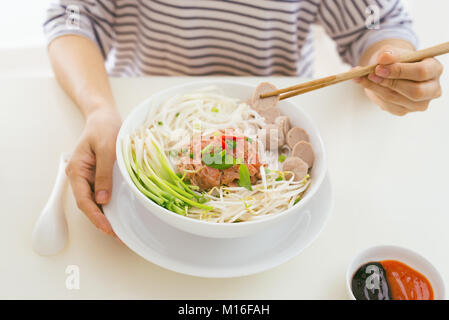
x=404, y=255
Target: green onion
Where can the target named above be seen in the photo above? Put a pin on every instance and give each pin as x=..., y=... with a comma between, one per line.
x=245, y=180
x=214, y=109
x=173, y=153
x=160, y=123
x=152, y=174
x=282, y=158
x=297, y=200
x=177, y=114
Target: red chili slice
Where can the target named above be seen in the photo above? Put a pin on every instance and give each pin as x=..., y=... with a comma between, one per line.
x=233, y=137
x=224, y=145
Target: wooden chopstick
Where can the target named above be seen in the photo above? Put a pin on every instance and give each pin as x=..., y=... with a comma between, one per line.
x=301, y=88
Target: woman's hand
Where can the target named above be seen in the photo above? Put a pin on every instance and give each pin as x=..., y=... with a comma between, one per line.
x=400, y=88
x=90, y=168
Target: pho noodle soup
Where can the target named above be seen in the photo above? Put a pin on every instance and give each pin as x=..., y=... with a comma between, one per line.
x=211, y=157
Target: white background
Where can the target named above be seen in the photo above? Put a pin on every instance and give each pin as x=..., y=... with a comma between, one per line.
x=366, y=147
x=22, y=45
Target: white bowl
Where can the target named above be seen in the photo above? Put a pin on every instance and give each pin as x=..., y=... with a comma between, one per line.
x=407, y=256
x=208, y=229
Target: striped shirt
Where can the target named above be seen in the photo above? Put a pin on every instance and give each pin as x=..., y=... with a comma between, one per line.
x=224, y=37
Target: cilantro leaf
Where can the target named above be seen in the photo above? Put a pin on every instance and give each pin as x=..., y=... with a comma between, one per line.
x=220, y=161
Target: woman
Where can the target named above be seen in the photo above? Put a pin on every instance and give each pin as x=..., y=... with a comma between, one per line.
x=93, y=38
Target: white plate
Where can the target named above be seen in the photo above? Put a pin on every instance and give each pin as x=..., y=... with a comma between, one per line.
x=194, y=255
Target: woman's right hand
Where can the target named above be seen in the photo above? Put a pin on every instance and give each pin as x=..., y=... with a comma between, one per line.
x=90, y=168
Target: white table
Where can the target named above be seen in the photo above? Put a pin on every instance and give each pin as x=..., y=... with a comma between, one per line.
x=390, y=178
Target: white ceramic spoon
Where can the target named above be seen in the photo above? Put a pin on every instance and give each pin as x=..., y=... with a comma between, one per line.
x=50, y=231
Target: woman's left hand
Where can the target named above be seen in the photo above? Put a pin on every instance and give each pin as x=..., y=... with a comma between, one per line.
x=400, y=88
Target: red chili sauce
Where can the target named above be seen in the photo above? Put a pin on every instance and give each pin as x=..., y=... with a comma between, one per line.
x=406, y=283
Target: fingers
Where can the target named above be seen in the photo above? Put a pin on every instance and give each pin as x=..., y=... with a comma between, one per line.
x=105, y=158
x=403, y=87
x=391, y=97
x=418, y=71
x=387, y=57
x=83, y=195
x=415, y=91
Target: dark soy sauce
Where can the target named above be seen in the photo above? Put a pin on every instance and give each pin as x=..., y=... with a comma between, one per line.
x=369, y=283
